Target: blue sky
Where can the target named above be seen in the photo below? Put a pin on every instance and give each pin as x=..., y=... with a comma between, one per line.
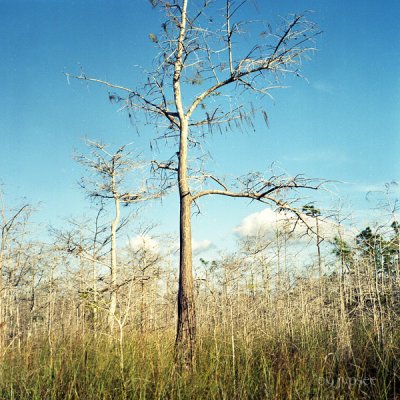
x=341, y=123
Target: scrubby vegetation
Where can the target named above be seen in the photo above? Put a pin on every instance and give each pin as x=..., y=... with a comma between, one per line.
x=269, y=325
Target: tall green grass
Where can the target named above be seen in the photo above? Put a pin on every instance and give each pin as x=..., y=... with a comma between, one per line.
x=292, y=364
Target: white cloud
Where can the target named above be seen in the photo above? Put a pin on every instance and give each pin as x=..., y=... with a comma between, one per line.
x=201, y=246
x=267, y=222
x=144, y=242
x=263, y=222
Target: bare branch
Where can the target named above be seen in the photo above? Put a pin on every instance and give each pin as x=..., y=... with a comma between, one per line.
x=148, y=105
x=168, y=165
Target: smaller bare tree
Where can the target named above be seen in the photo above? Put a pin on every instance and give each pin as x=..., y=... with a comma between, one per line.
x=110, y=169
x=12, y=223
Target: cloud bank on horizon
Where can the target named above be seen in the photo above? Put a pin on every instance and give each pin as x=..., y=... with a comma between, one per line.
x=269, y=222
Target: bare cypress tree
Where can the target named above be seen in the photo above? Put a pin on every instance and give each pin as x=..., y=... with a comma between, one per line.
x=203, y=46
x=11, y=222
x=89, y=242
x=111, y=168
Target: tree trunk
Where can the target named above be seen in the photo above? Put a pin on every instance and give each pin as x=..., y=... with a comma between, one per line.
x=186, y=327
x=113, y=272
x=2, y=323
x=2, y=297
